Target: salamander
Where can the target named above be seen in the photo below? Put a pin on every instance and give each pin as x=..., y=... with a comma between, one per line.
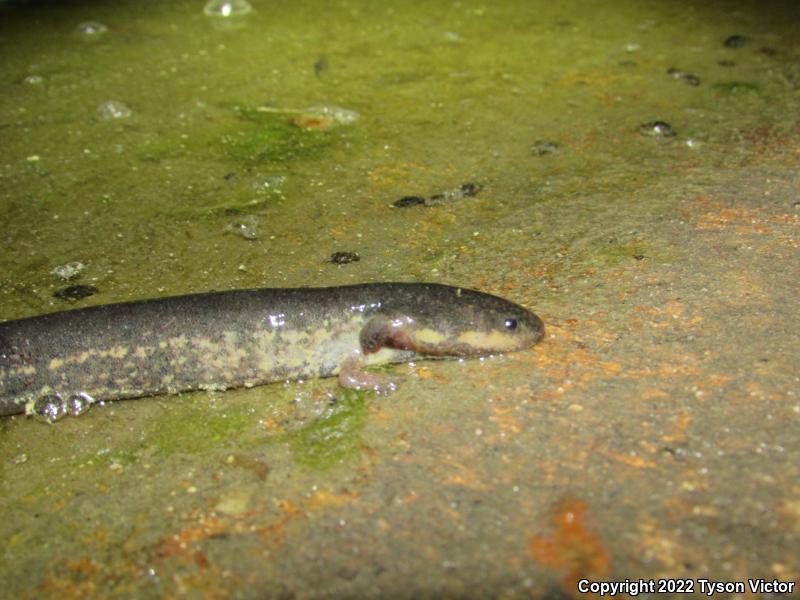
x=59, y=362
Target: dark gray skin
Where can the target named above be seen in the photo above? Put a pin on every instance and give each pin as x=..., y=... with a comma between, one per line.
x=238, y=338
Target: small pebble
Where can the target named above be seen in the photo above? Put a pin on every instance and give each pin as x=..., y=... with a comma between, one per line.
x=342, y=258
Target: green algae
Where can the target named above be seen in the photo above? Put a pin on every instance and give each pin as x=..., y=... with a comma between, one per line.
x=246, y=137
x=613, y=254
x=737, y=88
x=332, y=437
x=197, y=429
x=271, y=138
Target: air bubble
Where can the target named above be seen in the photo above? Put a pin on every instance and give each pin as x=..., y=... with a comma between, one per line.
x=227, y=8
x=53, y=407
x=114, y=109
x=69, y=270
x=247, y=227
x=91, y=29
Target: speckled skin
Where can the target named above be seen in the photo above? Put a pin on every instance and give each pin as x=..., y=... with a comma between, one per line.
x=222, y=340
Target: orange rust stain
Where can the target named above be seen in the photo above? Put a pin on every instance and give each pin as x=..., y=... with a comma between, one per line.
x=273, y=532
x=178, y=544
x=648, y=446
x=440, y=429
x=410, y=497
x=668, y=370
x=572, y=547
x=632, y=460
x=678, y=433
x=719, y=380
x=73, y=579
x=715, y=216
x=325, y=498
x=669, y=314
x=505, y=420
x=423, y=372
x=652, y=393
x=465, y=477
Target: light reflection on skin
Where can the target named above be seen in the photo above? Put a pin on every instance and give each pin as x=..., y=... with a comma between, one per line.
x=402, y=321
x=362, y=307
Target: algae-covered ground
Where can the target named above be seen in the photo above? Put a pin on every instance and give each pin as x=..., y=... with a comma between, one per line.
x=638, y=172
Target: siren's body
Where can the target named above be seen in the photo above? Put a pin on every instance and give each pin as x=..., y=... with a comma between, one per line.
x=222, y=340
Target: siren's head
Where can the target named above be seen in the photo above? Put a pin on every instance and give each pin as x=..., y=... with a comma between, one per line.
x=440, y=320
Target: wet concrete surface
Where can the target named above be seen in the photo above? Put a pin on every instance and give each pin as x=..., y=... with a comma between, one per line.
x=651, y=435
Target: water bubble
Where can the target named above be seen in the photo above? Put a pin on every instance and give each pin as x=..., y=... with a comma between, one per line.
x=342, y=116
x=49, y=408
x=114, y=109
x=657, y=129
x=247, y=227
x=53, y=407
x=78, y=404
x=227, y=8
x=270, y=183
x=544, y=147
x=69, y=270
x=91, y=29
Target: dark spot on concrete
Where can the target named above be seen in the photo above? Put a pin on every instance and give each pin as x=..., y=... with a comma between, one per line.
x=735, y=41
x=342, y=258
x=687, y=77
x=75, y=292
x=320, y=66
x=471, y=189
x=409, y=201
x=465, y=190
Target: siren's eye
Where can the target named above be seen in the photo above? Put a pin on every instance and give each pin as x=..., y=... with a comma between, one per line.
x=510, y=324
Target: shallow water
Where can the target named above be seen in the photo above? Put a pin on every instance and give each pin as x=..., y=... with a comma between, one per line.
x=662, y=404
